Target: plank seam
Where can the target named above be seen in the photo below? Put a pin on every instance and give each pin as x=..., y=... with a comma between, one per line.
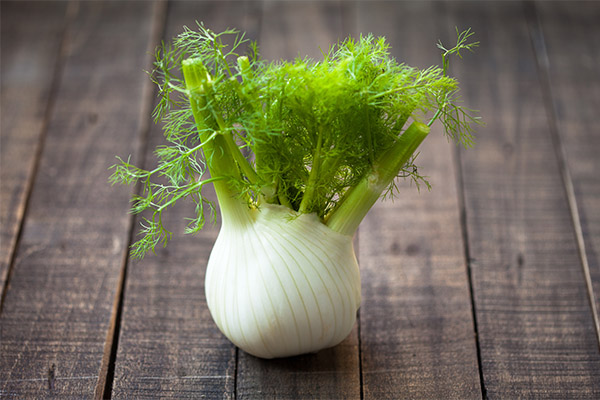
x=358, y=324
x=360, y=366
x=467, y=254
x=543, y=68
x=235, y=372
x=462, y=208
x=39, y=149
x=106, y=374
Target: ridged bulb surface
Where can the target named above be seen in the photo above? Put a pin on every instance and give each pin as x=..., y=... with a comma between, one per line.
x=282, y=285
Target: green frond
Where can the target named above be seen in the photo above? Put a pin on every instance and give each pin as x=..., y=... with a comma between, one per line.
x=300, y=133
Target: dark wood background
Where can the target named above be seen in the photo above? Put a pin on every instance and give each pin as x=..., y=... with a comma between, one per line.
x=486, y=287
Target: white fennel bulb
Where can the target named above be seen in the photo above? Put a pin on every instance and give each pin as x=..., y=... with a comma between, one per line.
x=279, y=284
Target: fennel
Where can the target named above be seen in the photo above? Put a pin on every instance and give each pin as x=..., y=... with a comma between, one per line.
x=296, y=151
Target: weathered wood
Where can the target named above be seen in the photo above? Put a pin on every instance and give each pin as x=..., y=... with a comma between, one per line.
x=57, y=310
x=535, y=326
x=302, y=28
x=31, y=38
x=571, y=34
x=169, y=346
x=291, y=29
x=417, y=333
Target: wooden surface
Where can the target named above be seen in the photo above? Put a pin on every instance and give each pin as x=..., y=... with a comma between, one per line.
x=416, y=319
x=535, y=324
x=31, y=47
x=488, y=286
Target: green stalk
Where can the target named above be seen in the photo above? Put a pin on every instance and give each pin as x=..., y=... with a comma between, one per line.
x=284, y=201
x=311, y=185
x=243, y=163
x=235, y=151
x=217, y=151
x=280, y=195
x=358, y=201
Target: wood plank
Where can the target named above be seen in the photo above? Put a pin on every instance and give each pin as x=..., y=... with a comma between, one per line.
x=535, y=326
x=169, y=346
x=30, y=42
x=571, y=34
x=302, y=28
x=291, y=29
x=59, y=304
x=417, y=333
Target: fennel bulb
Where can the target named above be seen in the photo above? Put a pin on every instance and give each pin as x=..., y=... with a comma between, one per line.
x=279, y=284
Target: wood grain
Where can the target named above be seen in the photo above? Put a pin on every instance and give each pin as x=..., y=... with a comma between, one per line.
x=417, y=333
x=169, y=346
x=302, y=28
x=570, y=33
x=73, y=95
x=291, y=29
x=30, y=42
x=535, y=326
x=58, y=305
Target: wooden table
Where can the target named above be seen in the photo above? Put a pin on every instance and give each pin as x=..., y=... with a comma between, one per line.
x=488, y=286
